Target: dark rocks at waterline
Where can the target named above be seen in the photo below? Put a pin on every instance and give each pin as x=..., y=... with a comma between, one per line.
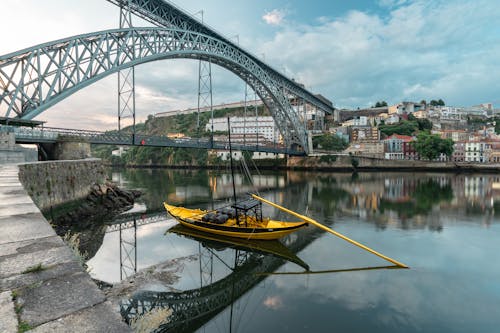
x=86, y=217
x=111, y=197
x=103, y=201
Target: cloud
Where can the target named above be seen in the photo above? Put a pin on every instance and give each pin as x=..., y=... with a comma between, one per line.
x=410, y=52
x=273, y=302
x=403, y=50
x=274, y=17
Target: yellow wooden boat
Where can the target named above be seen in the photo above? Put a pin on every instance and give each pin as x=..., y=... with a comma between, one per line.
x=242, y=220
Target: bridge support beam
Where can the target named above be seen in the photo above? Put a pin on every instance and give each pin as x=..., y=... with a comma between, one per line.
x=64, y=150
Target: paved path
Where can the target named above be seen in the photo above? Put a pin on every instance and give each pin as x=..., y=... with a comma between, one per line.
x=59, y=297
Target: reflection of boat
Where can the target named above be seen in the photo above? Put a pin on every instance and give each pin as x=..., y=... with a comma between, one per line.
x=242, y=220
x=273, y=247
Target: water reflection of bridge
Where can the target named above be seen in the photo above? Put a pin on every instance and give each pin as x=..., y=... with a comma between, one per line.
x=191, y=309
x=130, y=221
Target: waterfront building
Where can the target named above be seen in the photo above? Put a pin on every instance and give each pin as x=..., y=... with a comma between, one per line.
x=458, y=154
x=264, y=127
x=365, y=133
x=494, y=151
x=399, y=147
x=238, y=155
x=477, y=151
x=373, y=149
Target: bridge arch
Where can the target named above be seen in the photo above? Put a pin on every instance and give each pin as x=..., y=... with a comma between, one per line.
x=34, y=79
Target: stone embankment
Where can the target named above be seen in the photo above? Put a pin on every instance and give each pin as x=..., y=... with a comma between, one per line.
x=56, y=182
x=346, y=162
x=43, y=287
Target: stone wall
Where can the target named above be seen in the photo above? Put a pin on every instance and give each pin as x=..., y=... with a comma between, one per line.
x=55, y=182
x=11, y=157
x=10, y=153
x=72, y=150
x=344, y=162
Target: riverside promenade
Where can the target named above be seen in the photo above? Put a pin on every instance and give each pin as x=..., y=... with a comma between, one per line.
x=43, y=287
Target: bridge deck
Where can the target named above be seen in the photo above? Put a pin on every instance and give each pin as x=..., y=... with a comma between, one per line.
x=52, y=135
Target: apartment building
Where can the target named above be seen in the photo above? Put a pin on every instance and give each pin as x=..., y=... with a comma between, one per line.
x=246, y=126
x=399, y=147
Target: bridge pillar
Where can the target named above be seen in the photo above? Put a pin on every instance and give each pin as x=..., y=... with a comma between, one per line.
x=310, y=142
x=64, y=150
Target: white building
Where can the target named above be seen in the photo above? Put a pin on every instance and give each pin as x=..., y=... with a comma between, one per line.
x=262, y=126
x=405, y=108
x=393, y=119
x=238, y=155
x=451, y=113
x=476, y=151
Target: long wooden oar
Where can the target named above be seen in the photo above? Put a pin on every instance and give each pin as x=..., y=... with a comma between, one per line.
x=319, y=225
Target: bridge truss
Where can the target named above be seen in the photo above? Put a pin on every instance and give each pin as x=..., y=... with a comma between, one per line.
x=36, y=78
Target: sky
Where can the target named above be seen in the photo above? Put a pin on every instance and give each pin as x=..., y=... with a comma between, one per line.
x=354, y=53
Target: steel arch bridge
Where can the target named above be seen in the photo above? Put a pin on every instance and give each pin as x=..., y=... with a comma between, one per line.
x=36, y=78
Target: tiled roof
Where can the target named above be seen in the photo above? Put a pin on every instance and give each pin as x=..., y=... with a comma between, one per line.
x=405, y=138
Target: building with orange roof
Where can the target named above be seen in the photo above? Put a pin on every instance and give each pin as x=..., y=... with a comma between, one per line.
x=399, y=147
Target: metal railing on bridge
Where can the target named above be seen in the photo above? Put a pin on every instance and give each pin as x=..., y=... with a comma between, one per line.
x=52, y=135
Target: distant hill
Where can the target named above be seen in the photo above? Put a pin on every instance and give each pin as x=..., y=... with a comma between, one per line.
x=185, y=124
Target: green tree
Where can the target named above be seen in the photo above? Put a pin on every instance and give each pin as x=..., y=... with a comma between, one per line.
x=403, y=128
x=380, y=104
x=430, y=146
x=497, y=125
x=424, y=124
x=439, y=102
x=330, y=142
x=354, y=162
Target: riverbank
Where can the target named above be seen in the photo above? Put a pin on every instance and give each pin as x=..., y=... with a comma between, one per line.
x=360, y=163
x=42, y=284
x=344, y=163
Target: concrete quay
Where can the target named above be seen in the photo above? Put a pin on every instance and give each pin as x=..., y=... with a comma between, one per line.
x=43, y=288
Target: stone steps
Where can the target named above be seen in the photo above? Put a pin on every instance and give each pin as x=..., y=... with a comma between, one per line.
x=60, y=296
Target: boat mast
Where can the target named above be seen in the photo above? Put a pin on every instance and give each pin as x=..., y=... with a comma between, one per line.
x=231, y=158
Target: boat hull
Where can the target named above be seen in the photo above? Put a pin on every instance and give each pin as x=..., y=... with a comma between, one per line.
x=191, y=218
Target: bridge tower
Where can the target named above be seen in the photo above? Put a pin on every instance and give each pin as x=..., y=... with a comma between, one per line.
x=126, y=77
x=205, y=97
x=128, y=250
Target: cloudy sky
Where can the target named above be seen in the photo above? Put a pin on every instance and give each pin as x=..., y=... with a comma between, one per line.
x=353, y=52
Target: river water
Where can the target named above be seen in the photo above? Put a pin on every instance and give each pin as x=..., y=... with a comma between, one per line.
x=445, y=227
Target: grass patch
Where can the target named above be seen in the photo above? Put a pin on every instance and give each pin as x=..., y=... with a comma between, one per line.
x=33, y=269
x=23, y=327
x=73, y=243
